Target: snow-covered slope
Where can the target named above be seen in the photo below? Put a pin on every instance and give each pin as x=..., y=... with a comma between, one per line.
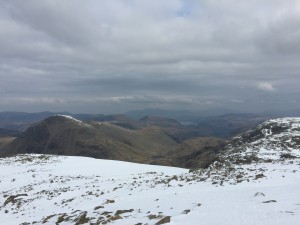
x=272, y=140
x=235, y=190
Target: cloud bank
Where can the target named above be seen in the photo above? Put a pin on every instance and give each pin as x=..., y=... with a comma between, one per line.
x=112, y=56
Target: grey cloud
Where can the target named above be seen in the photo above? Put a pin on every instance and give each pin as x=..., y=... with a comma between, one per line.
x=149, y=52
x=282, y=36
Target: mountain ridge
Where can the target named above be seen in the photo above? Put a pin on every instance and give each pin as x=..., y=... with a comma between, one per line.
x=68, y=136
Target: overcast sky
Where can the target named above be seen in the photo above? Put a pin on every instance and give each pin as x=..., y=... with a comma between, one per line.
x=111, y=56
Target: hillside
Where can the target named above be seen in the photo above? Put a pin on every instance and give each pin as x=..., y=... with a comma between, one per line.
x=64, y=135
x=192, y=153
x=197, y=152
x=4, y=141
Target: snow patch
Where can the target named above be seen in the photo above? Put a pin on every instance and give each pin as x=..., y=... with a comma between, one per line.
x=48, y=189
x=72, y=118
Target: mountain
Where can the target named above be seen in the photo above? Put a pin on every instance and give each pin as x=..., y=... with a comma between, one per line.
x=155, y=140
x=273, y=140
x=255, y=154
x=254, y=180
x=65, y=135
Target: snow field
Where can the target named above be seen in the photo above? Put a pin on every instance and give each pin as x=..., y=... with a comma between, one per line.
x=68, y=189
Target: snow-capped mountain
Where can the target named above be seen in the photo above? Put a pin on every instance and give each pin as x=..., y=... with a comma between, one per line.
x=272, y=140
x=255, y=180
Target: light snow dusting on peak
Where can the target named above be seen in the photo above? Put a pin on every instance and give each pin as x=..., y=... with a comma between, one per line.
x=72, y=118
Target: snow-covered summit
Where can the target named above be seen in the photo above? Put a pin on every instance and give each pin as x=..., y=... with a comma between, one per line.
x=274, y=139
x=251, y=155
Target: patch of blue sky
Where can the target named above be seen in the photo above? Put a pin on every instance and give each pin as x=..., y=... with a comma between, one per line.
x=187, y=8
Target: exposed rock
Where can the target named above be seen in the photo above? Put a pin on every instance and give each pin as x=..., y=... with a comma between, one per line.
x=186, y=211
x=152, y=216
x=60, y=219
x=116, y=217
x=81, y=219
x=12, y=199
x=258, y=176
x=269, y=201
x=118, y=212
x=99, y=207
x=109, y=201
x=164, y=220
x=257, y=194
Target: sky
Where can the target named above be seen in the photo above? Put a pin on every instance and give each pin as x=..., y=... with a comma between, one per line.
x=91, y=56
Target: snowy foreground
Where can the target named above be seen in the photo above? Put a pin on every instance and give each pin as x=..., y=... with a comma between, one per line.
x=43, y=189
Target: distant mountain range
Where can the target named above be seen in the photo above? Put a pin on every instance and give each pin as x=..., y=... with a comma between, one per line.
x=9, y=133
x=188, y=125
x=194, y=116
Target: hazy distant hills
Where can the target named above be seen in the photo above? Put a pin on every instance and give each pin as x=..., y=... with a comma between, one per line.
x=179, y=115
x=190, y=126
x=229, y=125
x=194, y=116
x=10, y=133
